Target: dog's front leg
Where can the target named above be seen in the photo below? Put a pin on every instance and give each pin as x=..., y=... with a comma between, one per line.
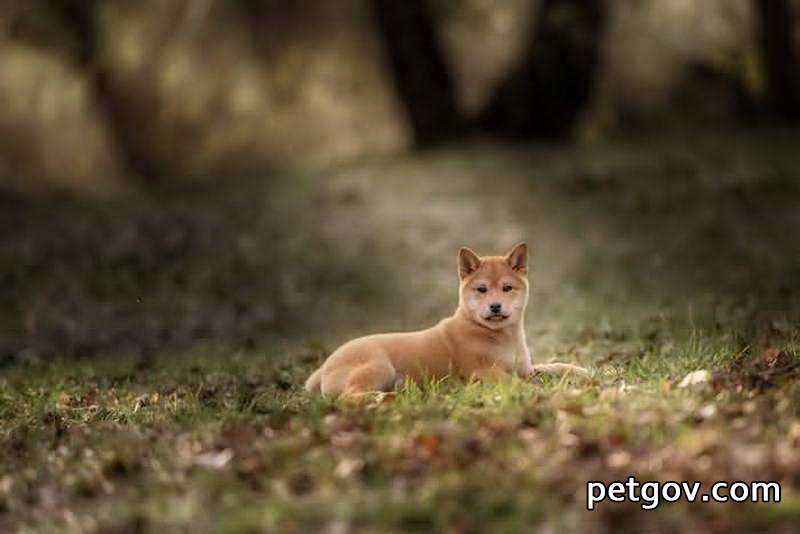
x=523, y=364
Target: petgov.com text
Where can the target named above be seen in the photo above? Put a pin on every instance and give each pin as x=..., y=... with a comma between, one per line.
x=651, y=494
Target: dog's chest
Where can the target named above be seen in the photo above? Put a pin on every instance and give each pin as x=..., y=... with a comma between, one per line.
x=508, y=357
x=499, y=352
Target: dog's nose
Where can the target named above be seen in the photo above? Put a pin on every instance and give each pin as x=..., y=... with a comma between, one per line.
x=496, y=307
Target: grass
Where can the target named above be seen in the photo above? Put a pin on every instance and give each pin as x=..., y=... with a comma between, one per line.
x=652, y=260
x=229, y=442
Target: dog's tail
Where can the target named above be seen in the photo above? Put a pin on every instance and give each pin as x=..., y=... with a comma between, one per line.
x=562, y=369
x=314, y=382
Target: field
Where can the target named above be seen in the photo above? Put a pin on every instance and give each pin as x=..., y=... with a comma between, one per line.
x=153, y=347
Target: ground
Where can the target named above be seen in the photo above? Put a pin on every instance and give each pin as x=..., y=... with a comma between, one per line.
x=153, y=348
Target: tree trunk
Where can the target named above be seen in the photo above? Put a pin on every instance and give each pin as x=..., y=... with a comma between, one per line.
x=776, y=24
x=79, y=18
x=544, y=95
x=419, y=69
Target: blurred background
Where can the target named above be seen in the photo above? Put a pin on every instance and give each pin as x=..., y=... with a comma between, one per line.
x=173, y=171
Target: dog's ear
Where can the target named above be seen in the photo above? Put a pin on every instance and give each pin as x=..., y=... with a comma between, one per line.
x=517, y=259
x=468, y=262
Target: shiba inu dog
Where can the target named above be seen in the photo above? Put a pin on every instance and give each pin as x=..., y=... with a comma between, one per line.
x=484, y=338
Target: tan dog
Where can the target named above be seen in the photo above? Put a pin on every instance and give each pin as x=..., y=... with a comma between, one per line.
x=485, y=337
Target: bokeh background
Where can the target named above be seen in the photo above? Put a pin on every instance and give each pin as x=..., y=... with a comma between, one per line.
x=201, y=199
x=178, y=171
x=99, y=96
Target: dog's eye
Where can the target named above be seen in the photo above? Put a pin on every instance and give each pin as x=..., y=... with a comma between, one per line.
x=507, y=288
x=481, y=289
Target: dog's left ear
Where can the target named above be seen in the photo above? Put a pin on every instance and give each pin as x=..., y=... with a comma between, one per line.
x=468, y=262
x=517, y=259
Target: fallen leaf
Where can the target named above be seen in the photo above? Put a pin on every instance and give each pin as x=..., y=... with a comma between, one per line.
x=770, y=356
x=695, y=378
x=707, y=412
x=619, y=459
x=428, y=444
x=214, y=460
x=616, y=439
x=140, y=402
x=348, y=467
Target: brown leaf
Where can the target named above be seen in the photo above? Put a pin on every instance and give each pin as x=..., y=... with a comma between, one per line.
x=770, y=356
x=239, y=438
x=616, y=440
x=427, y=444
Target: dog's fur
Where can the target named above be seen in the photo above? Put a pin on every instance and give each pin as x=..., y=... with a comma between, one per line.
x=485, y=337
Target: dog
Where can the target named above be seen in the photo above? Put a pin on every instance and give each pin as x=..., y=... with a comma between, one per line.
x=483, y=339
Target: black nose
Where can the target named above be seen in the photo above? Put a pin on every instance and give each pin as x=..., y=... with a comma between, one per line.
x=496, y=307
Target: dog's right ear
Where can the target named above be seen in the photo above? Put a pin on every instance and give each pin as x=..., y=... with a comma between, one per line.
x=517, y=259
x=468, y=262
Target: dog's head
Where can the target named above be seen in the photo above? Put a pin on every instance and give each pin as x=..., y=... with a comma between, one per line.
x=494, y=289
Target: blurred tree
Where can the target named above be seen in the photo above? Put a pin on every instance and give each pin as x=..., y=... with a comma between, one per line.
x=776, y=24
x=79, y=16
x=421, y=76
x=544, y=95
x=260, y=15
x=254, y=9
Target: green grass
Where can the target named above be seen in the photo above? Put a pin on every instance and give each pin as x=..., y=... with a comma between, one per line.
x=230, y=442
x=651, y=261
